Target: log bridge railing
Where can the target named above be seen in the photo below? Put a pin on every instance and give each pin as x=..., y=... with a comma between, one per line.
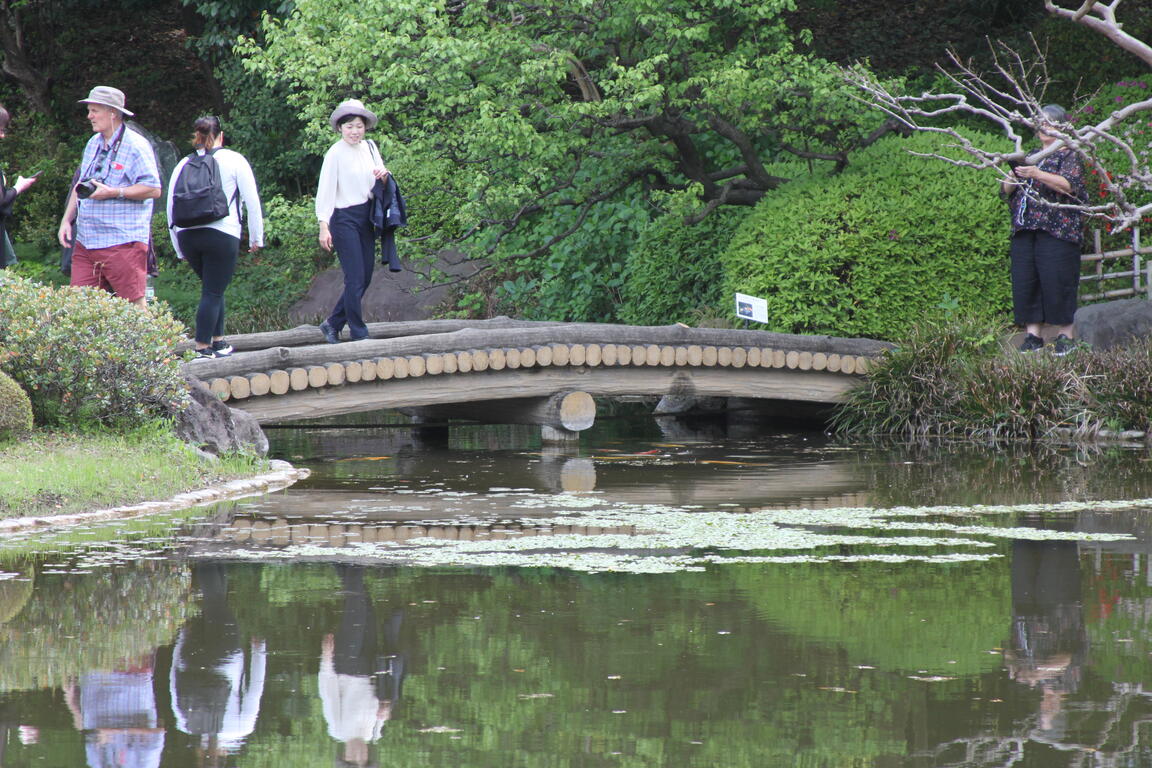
x=523, y=372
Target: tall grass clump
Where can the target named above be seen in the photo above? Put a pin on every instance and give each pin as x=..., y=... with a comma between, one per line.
x=1119, y=386
x=956, y=378
x=1011, y=395
x=910, y=389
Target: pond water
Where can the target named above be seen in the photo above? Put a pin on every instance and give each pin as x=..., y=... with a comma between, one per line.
x=684, y=593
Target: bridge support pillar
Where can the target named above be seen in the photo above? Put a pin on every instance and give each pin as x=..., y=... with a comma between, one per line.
x=562, y=416
x=550, y=434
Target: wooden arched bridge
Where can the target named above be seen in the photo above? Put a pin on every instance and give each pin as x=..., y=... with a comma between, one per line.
x=523, y=372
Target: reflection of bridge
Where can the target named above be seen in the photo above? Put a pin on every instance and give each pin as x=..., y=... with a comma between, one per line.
x=325, y=519
x=441, y=364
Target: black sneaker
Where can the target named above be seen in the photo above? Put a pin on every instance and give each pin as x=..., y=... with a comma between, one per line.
x=330, y=335
x=1031, y=343
x=222, y=348
x=1063, y=345
x=206, y=354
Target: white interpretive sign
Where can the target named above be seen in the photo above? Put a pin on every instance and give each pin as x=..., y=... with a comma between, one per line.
x=751, y=308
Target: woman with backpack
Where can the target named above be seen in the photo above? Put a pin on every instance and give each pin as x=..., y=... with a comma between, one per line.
x=344, y=208
x=204, y=197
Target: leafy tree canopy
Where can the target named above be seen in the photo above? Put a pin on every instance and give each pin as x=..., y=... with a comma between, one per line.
x=529, y=108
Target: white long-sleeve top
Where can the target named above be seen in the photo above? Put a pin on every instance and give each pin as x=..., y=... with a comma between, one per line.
x=346, y=177
x=245, y=689
x=235, y=174
x=350, y=706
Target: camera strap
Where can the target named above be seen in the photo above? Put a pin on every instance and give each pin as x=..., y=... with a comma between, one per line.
x=112, y=151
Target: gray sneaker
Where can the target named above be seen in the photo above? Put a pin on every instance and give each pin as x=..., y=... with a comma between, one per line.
x=1063, y=345
x=1031, y=343
x=330, y=334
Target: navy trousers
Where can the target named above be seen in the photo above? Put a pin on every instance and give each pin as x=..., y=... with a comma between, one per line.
x=354, y=241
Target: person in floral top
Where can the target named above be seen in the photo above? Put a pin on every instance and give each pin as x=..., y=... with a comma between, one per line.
x=1045, y=246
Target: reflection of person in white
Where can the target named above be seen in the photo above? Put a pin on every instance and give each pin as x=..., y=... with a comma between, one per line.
x=241, y=691
x=216, y=686
x=354, y=714
x=358, y=687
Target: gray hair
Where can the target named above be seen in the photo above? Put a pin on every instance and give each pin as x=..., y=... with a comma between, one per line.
x=1054, y=113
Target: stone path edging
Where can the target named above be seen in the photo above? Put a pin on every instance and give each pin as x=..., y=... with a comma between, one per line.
x=282, y=475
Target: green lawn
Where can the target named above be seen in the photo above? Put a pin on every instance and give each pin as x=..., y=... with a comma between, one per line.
x=56, y=473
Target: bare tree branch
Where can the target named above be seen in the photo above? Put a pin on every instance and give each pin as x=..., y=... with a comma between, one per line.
x=1012, y=99
x=1101, y=17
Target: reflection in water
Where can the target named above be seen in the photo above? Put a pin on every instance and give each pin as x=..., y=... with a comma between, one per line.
x=1048, y=639
x=1038, y=656
x=216, y=683
x=359, y=681
x=116, y=711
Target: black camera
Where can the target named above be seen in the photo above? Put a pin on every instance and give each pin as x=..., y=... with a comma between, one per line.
x=85, y=189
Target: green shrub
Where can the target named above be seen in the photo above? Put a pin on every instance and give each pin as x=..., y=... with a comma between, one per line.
x=15, y=409
x=673, y=271
x=86, y=358
x=878, y=247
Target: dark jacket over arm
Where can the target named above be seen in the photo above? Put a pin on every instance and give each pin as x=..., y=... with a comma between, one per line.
x=389, y=213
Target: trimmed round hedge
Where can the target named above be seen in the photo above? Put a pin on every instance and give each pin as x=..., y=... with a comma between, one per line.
x=893, y=239
x=15, y=409
x=88, y=359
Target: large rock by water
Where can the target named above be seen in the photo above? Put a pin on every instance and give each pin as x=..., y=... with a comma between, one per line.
x=392, y=296
x=1114, y=323
x=214, y=427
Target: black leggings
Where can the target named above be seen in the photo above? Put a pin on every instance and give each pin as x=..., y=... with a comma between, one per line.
x=212, y=256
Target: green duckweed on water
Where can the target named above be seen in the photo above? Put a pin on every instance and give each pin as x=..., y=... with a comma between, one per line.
x=665, y=539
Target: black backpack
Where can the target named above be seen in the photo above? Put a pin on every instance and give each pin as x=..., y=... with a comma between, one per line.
x=198, y=194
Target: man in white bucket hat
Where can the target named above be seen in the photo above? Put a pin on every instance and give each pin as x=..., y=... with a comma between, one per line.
x=111, y=204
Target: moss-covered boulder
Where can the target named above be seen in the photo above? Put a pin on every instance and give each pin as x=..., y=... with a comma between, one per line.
x=15, y=409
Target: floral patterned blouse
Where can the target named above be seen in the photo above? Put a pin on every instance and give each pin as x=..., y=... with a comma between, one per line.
x=1029, y=203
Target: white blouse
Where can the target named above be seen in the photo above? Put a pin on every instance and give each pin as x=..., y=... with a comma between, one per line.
x=345, y=178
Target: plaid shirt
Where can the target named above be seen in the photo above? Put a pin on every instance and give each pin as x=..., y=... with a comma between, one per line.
x=104, y=223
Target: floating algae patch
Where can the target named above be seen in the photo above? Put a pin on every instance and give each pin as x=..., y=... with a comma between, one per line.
x=591, y=533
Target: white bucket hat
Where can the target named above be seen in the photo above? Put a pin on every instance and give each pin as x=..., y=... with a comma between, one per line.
x=352, y=107
x=109, y=97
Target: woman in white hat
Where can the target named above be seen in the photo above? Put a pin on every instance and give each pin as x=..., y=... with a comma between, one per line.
x=343, y=207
